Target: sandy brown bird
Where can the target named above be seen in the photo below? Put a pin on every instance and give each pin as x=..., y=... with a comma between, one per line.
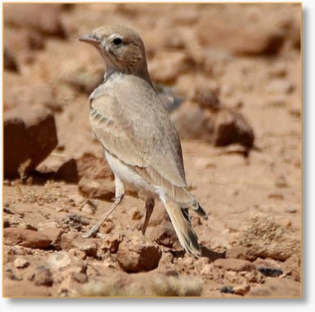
x=141, y=144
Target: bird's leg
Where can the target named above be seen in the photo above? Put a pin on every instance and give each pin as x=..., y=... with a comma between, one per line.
x=149, y=206
x=119, y=195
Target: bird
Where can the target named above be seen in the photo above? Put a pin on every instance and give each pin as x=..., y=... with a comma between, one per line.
x=141, y=144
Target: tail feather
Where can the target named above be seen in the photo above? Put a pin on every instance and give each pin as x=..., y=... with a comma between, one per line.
x=181, y=222
x=194, y=205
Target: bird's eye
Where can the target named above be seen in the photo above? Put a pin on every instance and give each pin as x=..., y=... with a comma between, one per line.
x=117, y=42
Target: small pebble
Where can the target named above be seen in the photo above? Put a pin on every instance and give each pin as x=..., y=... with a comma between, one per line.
x=241, y=289
x=21, y=263
x=270, y=272
x=227, y=290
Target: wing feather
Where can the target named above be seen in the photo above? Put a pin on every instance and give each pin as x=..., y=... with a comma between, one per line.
x=134, y=126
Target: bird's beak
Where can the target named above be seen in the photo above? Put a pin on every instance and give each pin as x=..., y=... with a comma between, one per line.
x=91, y=39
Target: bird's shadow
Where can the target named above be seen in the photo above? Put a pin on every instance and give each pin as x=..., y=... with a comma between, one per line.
x=205, y=252
x=211, y=255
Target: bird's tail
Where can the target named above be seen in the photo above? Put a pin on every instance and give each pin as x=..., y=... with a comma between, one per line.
x=181, y=222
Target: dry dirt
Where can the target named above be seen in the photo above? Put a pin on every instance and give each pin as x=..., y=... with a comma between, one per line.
x=246, y=54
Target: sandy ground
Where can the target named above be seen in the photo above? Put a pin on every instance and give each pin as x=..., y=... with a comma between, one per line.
x=250, y=53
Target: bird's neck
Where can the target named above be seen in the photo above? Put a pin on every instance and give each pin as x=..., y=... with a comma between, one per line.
x=112, y=72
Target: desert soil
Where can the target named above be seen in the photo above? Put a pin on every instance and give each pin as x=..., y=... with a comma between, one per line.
x=246, y=55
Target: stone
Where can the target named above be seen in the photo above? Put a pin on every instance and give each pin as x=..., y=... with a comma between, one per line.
x=236, y=265
x=21, y=263
x=241, y=289
x=266, y=238
x=29, y=137
x=213, y=123
x=43, y=277
x=25, y=238
x=96, y=189
x=74, y=240
x=110, y=243
x=164, y=234
x=238, y=39
x=168, y=65
x=292, y=267
x=136, y=254
x=58, y=260
x=52, y=231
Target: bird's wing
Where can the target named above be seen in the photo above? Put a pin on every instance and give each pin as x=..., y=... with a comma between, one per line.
x=135, y=127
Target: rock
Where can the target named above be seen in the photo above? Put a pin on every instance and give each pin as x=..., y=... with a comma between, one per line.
x=69, y=279
x=35, y=17
x=43, y=277
x=207, y=270
x=83, y=73
x=168, y=65
x=110, y=243
x=51, y=231
x=96, y=189
x=30, y=132
x=74, y=240
x=58, y=260
x=277, y=288
x=266, y=238
x=25, y=238
x=236, y=265
x=241, y=289
x=292, y=267
x=21, y=263
x=212, y=122
x=28, y=97
x=136, y=254
x=239, y=39
x=164, y=234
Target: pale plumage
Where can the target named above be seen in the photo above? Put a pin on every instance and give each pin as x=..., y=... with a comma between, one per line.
x=140, y=142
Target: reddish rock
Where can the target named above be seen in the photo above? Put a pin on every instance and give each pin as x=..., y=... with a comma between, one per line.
x=110, y=243
x=136, y=254
x=97, y=189
x=25, y=238
x=212, y=122
x=239, y=39
x=164, y=234
x=292, y=267
x=168, y=65
x=241, y=289
x=96, y=177
x=29, y=137
x=74, y=240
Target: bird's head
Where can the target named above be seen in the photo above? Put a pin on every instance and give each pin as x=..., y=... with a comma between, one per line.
x=121, y=48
